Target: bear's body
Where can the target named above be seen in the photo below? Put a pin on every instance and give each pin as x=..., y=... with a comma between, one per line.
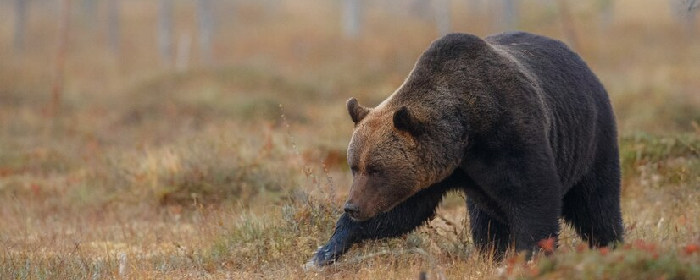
x=516, y=121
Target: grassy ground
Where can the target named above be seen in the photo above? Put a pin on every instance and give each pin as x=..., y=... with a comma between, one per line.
x=237, y=170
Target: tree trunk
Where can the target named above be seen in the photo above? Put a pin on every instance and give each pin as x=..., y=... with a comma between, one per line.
x=442, y=17
x=59, y=71
x=182, y=60
x=113, y=26
x=20, y=24
x=351, y=18
x=205, y=25
x=691, y=13
x=165, y=31
x=475, y=8
x=686, y=13
x=607, y=13
x=421, y=9
x=89, y=11
x=510, y=15
x=567, y=22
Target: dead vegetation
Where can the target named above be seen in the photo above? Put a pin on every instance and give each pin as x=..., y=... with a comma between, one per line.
x=151, y=173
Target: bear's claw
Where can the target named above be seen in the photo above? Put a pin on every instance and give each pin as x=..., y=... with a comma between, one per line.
x=326, y=255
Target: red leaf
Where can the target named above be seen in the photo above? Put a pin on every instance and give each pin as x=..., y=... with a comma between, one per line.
x=36, y=189
x=581, y=247
x=547, y=245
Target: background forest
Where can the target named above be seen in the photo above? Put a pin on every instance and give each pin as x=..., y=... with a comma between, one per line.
x=206, y=138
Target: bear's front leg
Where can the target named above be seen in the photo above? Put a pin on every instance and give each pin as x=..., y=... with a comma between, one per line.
x=526, y=187
x=342, y=239
x=405, y=217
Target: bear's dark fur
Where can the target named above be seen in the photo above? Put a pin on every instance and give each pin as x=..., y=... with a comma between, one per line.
x=516, y=121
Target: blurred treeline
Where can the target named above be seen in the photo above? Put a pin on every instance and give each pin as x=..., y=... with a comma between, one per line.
x=182, y=31
x=53, y=48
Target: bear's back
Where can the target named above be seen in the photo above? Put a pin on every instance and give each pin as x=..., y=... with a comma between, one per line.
x=578, y=104
x=558, y=68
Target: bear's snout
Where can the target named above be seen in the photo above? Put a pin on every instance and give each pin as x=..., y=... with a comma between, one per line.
x=351, y=208
x=356, y=212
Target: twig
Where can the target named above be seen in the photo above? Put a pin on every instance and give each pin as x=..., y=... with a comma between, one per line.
x=449, y=223
x=307, y=169
x=688, y=145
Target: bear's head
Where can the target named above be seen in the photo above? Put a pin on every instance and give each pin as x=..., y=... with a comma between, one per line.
x=388, y=162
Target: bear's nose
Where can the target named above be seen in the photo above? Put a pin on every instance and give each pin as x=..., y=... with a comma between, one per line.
x=351, y=209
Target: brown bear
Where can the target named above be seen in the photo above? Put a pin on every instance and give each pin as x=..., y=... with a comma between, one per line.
x=516, y=121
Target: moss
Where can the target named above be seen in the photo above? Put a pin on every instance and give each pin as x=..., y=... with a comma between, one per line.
x=625, y=263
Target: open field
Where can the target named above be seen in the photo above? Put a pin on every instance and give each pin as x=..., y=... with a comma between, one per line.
x=237, y=169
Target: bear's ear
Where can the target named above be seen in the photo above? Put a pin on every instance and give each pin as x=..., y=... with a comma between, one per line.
x=357, y=112
x=405, y=121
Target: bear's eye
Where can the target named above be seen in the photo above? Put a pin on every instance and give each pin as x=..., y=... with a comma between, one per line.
x=373, y=170
x=354, y=169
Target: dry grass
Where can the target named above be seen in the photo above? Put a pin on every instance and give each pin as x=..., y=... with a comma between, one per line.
x=152, y=173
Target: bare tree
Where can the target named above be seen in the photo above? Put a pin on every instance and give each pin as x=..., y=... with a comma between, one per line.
x=509, y=18
x=59, y=71
x=165, y=31
x=351, y=18
x=272, y=7
x=20, y=24
x=567, y=23
x=113, y=25
x=442, y=17
x=607, y=12
x=421, y=9
x=205, y=26
x=475, y=7
x=686, y=12
x=89, y=11
x=182, y=59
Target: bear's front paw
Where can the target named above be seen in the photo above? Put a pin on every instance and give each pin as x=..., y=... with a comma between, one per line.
x=327, y=254
x=340, y=242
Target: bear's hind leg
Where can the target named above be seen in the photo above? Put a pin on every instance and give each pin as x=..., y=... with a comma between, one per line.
x=489, y=234
x=592, y=207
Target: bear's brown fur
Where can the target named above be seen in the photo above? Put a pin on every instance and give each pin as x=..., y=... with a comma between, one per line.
x=516, y=121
